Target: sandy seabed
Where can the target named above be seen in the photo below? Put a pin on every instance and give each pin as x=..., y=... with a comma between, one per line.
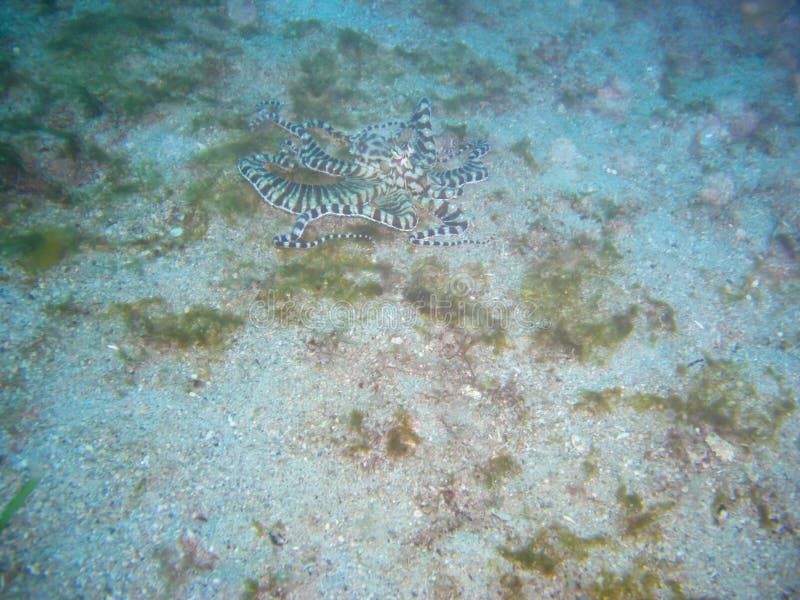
x=598, y=402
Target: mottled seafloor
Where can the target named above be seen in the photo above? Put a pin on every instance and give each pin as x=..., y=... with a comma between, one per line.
x=598, y=403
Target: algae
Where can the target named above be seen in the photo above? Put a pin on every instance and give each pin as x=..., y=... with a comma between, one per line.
x=718, y=396
x=16, y=502
x=11, y=165
x=300, y=28
x=359, y=436
x=401, y=439
x=721, y=396
x=549, y=547
x=638, y=583
x=522, y=148
x=571, y=290
x=475, y=79
x=443, y=12
x=223, y=194
x=324, y=87
x=336, y=273
x=598, y=402
x=638, y=520
x=453, y=299
x=660, y=316
x=355, y=44
x=42, y=248
x=95, y=60
x=761, y=502
x=217, y=185
x=497, y=469
x=589, y=468
x=197, y=326
x=66, y=308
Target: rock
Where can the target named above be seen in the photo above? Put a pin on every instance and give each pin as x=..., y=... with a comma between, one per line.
x=723, y=449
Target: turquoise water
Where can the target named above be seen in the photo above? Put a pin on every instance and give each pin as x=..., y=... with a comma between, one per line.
x=545, y=344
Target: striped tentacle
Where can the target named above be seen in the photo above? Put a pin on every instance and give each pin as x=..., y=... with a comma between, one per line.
x=284, y=242
x=270, y=113
x=315, y=158
x=450, y=215
x=424, y=143
x=395, y=128
x=310, y=154
x=298, y=198
x=452, y=224
x=477, y=149
x=376, y=143
x=428, y=241
x=324, y=125
x=265, y=111
x=397, y=213
x=452, y=152
x=472, y=171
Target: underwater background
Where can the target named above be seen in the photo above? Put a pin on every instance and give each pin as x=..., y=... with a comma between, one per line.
x=596, y=400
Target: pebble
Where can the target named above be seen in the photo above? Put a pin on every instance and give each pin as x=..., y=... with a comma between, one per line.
x=723, y=449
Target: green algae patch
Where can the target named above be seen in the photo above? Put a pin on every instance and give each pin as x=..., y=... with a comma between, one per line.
x=397, y=437
x=336, y=274
x=105, y=28
x=497, y=469
x=644, y=401
x=638, y=519
x=439, y=13
x=773, y=515
x=530, y=557
x=96, y=59
x=223, y=194
x=589, y=468
x=280, y=583
x=305, y=282
x=16, y=502
x=332, y=78
x=300, y=28
x=598, y=402
x=453, y=298
x=585, y=339
x=474, y=79
x=326, y=82
x=198, y=326
x=42, y=248
x=551, y=546
x=358, y=436
x=721, y=396
x=522, y=148
x=570, y=289
x=401, y=439
x=638, y=583
x=228, y=154
x=12, y=166
x=74, y=171
x=217, y=186
x=355, y=44
x=333, y=81
x=660, y=316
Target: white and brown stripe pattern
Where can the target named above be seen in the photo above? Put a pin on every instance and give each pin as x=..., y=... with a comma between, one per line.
x=389, y=167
